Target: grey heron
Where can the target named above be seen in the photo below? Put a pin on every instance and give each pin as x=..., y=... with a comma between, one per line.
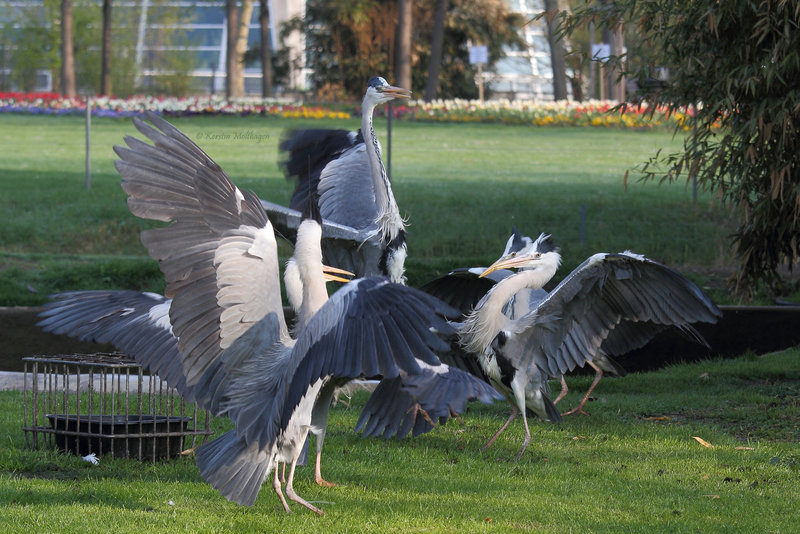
x=463, y=288
x=237, y=357
x=518, y=351
x=344, y=171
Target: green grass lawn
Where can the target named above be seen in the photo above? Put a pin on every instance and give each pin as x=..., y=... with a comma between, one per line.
x=461, y=188
x=633, y=465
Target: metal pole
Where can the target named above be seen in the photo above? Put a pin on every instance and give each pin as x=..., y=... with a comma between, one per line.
x=583, y=225
x=694, y=174
x=88, y=142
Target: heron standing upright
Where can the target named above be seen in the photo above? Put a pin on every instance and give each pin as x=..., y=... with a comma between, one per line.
x=568, y=326
x=344, y=171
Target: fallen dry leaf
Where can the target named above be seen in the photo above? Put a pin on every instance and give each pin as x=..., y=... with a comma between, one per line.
x=744, y=448
x=704, y=375
x=576, y=438
x=702, y=442
x=658, y=418
x=712, y=497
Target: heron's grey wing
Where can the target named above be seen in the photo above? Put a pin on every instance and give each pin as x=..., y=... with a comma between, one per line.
x=347, y=192
x=569, y=326
x=286, y=221
x=235, y=468
x=135, y=323
x=357, y=251
x=370, y=327
x=218, y=254
x=305, y=153
x=440, y=391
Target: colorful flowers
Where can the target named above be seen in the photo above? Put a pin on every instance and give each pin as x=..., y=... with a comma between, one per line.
x=534, y=113
x=54, y=104
x=593, y=113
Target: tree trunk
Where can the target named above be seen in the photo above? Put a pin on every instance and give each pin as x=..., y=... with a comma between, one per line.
x=266, y=50
x=105, y=67
x=556, y=50
x=432, y=87
x=402, y=63
x=67, y=51
x=232, y=16
x=617, y=48
x=242, y=33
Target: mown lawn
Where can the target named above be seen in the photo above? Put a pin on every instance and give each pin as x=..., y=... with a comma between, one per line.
x=461, y=187
x=633, y=465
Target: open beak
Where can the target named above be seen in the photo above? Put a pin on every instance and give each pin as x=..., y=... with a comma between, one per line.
x=331, y=274
x=396, y=92
x=512, y=261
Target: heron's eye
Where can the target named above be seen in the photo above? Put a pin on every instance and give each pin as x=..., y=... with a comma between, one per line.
x=537, y=255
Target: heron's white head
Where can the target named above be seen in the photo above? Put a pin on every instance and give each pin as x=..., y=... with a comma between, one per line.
x=379, y=92
x=539, y=254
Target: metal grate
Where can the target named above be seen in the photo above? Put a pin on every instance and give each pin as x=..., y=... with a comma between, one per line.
x=104, y=404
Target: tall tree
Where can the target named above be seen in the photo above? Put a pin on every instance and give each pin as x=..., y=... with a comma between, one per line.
x=437, y=39
x=266, y=49
x=350, y=40
x=405, y=25
x=232, y=19
x=242, y=33
x=557, y=60
x=741, y=60
x=105, y=68
x=67, y=51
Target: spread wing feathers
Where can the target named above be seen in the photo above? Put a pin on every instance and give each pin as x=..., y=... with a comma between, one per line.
x=307, y=153
x=393, y=409
x=568, y=327
x=462, y=288
x=218, y=255
x=370, y=327
x=135, y=323
x=233, y=467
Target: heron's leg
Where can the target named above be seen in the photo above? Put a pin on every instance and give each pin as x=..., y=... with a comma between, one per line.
x=527, y=439
x=563, y=392
x=418, y=410
x=318, y=472
x=456, y=416
x=514, y=412
x=294, y=496
x=276, y=485
x=597, y=376
x=283, y=472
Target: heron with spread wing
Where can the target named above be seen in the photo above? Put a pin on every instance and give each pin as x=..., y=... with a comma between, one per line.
x=236, y=355
x=520, y=336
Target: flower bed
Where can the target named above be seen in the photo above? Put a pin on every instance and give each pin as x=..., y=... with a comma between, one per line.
x=590, y=114
x=54, y=104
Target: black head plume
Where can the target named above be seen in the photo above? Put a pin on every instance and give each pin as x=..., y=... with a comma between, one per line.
x=377, y=82
x=544, y=243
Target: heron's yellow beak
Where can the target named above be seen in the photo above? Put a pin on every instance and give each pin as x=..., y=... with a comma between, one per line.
x=331, y=274
x=397, y=92
x=512, y=261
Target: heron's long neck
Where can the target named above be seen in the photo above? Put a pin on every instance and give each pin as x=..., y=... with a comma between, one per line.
x=487, y=320
x=388, y=219
x=308, y=256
